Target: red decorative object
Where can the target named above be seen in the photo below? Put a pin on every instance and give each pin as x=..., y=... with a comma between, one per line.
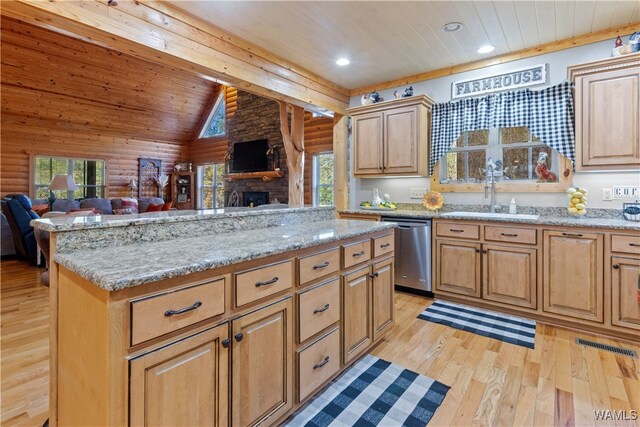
x=155, y=208
x=618, y=41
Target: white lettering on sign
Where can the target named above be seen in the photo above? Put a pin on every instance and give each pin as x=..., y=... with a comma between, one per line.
x=525, y=77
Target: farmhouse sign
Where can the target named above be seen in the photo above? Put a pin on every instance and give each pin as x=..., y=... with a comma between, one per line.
x=523, y=77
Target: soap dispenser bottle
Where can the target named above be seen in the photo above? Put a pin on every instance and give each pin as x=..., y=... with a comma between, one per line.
x=513, y=207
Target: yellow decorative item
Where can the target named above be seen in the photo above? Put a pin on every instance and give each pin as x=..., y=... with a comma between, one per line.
x=577, y=201
x=433, y=201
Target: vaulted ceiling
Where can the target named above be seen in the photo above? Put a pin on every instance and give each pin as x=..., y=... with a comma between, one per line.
x=386, y=40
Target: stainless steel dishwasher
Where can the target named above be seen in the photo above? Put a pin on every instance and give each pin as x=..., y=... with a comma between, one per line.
x=412, y=254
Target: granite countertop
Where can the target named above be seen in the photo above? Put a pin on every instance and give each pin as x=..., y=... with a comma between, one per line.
x=115, y=268
x=544, y=219
x=70, y=223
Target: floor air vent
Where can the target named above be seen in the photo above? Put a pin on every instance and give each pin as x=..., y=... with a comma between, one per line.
x=617, y=350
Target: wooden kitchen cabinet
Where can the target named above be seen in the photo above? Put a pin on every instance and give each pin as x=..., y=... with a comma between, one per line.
x=392, y=138
x=509, y=275
x=262, y=375
x=199, y=366
x=625, y=276
x=356, y=313
x=573, y=275
x=607, y=107
x=458, y=267
x=382, y=296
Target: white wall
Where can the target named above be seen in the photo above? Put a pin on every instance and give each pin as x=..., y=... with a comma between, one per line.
x=440, y=91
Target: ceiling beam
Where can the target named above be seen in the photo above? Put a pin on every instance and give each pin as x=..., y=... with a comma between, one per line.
x=501, y=59
x=160, y=33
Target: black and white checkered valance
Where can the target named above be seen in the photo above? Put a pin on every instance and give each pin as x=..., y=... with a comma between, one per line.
x=548, y=114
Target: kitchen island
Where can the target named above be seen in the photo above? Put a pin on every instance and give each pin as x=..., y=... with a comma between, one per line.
x=226, y=318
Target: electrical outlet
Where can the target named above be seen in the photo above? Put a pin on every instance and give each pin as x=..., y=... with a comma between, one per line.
x=626, y=192
x=417, y=193
x=607, y=194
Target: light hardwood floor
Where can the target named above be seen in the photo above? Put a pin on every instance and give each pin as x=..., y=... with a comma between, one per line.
x=492, y=383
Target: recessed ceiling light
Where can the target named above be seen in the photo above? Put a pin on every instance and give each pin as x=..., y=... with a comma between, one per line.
x=343, y=61
x=452, y=27
x=486, y=48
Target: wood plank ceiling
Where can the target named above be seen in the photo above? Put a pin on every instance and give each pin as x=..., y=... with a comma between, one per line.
x=386, y=40
x=66, y=97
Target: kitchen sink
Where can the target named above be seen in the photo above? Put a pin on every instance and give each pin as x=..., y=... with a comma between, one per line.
x=488, y=215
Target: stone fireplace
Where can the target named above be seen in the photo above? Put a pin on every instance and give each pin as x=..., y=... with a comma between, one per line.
x=258, y=118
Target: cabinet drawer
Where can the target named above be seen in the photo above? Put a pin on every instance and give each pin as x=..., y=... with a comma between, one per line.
x=256, y=284
x=356, y=253
x=628, y=244
x=317, y=363
x=160, y=314
x=510, y=234
x=452, y=229
x=319, y=265
x=318, y=308
x=383, y=245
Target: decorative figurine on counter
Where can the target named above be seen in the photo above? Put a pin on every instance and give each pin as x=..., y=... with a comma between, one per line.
x=618, y=42
x=375, y=97
x=365, y=99
x=631, y=47
x=396, y=94
x=408, y=92
x=577, y=201
x=542, y=171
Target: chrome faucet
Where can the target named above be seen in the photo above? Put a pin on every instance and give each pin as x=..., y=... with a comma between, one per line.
x=491, y=167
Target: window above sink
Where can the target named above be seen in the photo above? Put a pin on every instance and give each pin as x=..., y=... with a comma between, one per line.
x=516, y=149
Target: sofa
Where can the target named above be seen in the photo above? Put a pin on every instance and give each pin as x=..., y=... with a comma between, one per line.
x=17, y=210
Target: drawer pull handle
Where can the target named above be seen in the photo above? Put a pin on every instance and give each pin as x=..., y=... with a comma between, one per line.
x=320, y=310
x=634, y=244
x=616, y=266
x=571, y=235
x=509, y=234
x=267, y=282
x=195, y=305
x=225, y=342
x=357, y=254
x=321, y=364
x=456, y=230
x=320, y=266
x=386, y=245
x=239, y=336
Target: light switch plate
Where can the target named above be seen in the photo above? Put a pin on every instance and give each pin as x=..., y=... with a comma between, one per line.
x=417, y=193
x=607, y=194
x=626, y=192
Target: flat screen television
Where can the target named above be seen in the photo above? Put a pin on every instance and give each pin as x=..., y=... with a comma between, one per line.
x=250, y=156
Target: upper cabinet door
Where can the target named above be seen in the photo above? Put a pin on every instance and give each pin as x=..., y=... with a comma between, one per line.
x=367, y=144
x=401, y=140
x=608, y=115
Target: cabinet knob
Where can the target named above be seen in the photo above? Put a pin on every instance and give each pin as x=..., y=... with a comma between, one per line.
x=616, y=266
x=477, y=250
x=225, y=342
x=484, y=251
x=374, y=275
x=239, y=336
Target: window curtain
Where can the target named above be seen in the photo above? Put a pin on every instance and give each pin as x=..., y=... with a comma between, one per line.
x=547, y=113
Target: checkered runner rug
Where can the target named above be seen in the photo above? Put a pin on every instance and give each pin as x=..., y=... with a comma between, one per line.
x=374, y=392
x=499, y=326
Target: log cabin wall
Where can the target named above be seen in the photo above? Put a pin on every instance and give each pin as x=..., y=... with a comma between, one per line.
x=318, y=138
x=65, y=97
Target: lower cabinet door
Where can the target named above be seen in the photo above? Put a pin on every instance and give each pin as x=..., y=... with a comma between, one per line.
x=509, y=275
x=573, y=275
x=382, y=296
x=183, y=384
x=625, y=285
x=356, y=313
x=262, y=380
x=458, y=267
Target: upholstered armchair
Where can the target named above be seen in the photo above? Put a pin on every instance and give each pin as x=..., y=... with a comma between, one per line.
x=17, y=209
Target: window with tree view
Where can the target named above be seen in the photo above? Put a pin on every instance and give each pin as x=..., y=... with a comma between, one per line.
x=216, y=124
x=211, y=179
x=323, y=179
x=89, y=176
x=521, y=155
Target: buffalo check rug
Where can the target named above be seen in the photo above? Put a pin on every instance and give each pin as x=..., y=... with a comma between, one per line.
x=374, y=392
x=499, y=326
